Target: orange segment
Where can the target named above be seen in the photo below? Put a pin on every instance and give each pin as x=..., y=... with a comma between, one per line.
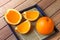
x=24, y=27
x=31, y=15
x=13, y=17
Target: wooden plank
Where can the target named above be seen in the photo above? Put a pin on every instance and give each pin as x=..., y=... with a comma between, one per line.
x=8, y=5
x=53, y=8
x=56, y=17
x=27, y=4
x=45, y=3
x=1, y=15
x=58, y=26
x=3, y=2
x=5, y=32
x=12, y=37
x=19, y=5
x=2, y=22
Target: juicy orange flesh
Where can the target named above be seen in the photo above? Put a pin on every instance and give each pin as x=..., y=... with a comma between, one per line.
x=31, y=14
x=13, y=16
x=23, y=27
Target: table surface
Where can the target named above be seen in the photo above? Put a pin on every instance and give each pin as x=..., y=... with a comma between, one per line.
x=50, y=7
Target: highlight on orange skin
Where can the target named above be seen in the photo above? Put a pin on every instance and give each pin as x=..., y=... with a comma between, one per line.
x=12, y=16
x=44, y=25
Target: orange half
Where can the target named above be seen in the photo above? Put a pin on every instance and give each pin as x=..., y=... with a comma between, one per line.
x=31, y=15
x=13, y=17
x=24, y=27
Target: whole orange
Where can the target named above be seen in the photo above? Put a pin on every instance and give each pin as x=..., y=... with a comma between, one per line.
x=45, y=25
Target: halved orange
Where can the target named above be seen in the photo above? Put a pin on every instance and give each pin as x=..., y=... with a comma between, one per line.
x=12, y=16
x=24, y=27
x=31, y=15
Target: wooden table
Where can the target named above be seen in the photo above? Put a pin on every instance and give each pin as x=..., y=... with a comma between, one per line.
x=50, y=7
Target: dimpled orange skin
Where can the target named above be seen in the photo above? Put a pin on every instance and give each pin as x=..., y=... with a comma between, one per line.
x=44, y=25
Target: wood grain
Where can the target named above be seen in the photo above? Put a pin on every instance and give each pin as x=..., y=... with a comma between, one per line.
x=12, y=37
x=58, y=26
x=27, y=4
x=45, y=3
x=19, y=5
x=2, y=23
x=9, y=5
x=56, y=17
x=5, y=1
x=52, y=8
x=5, y=32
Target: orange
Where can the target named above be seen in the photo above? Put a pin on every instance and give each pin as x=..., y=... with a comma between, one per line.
x=12, y=16
x=31, y=15
x=24, y=27
x=44, y=25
